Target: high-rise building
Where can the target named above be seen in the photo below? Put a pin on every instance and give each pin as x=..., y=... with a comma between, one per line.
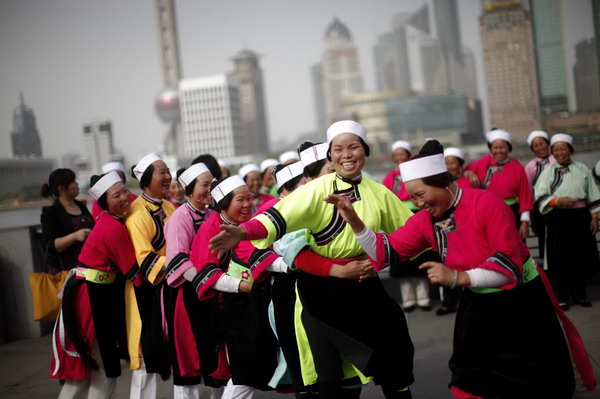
x=24, y=136
x=585, y=76
x=510, y=70
x=211, y=118
x=596, y=20
x=546, y=16
x=317, y=79
x=252, y=102
x=98, y=144
x=340, y=69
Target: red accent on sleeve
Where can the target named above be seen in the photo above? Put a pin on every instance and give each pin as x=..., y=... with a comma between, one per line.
x=254, y=230
x=313, y=263
x=553, y=202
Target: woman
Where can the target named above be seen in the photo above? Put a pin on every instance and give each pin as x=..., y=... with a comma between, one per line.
x=251, y=175
x=314, y=159
x=505, y=293
x=89, y=336
x=66, y=223
x=455, y=160
x=145, y=223
x=400, y=153
x=540, y=145
x=176, y=191
x=570, y=200
x=215, y=275
x=107, y=168
x=503, y=176
x=269, y=185
x=224, y=167
x=187, y=332
x=379, y=346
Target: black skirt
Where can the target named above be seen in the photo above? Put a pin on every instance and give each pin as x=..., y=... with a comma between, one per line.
x=510, y=344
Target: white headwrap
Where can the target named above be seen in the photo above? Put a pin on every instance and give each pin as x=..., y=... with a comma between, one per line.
x=313, y=154
x=497, y=134
x=289, y=172
x=191, y=173
x=251, y=167
x=346, y=127
x=288, y=155
x=104, y=183
x=223, y=163
x=558, y=137
x=423, y=167
x=109, y=167
x=534, y=134
x=454, y=152
x=144, y=163
x=227, y=186
x=264, y=165
x=401, y=144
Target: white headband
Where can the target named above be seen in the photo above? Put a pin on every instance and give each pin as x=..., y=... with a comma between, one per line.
x=288, y=155
x=109, y=167
x=143, y=164
x=191, y=173
x=401, y=144
x=267, y=163
x=227, y=186
x=223, y=163
x=105, y=182
x=558, y=137
x=289, y=172
x=244, y=170
x=346, y=127
x=423, y=167
x=454, y=152
x=534, y=134
x=313, y=154
x=497, y=134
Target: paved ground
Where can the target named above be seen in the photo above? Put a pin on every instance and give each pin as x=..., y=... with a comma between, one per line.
x=24, y=364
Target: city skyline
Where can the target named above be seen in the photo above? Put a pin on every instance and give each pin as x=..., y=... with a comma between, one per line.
x=81, y=61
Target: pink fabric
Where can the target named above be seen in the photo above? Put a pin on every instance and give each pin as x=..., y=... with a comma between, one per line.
x=254, y=230
x=511, y=182
x=389, y=181
x=531, y=167
x=222, y=371
x=185, y=342
x=463, y=182
x=458, y=393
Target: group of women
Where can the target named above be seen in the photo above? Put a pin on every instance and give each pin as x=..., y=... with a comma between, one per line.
x=246, y=291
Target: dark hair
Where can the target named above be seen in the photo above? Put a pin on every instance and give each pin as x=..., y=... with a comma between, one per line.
x=225, y=201
x=289, y=185
x=211, y=163
x=441, y=180
x=103, y=200
x=58, y=178
x=314, y=168
x=365, y=146
x=146, y=176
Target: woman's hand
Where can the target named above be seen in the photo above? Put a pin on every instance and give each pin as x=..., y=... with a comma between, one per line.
x=228, y=238
x=565, y=202
x=245, y=287
x=438, y=273
x=473, y=179
x=524, y=229
x=354, y=270
x=594, y=225
x=81, y=234
x=346, y=210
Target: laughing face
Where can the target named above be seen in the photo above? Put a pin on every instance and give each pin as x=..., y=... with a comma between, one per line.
x=347, y=155
x=118, y=200
x=161, y=180
x=240, y=208
x=434, y=200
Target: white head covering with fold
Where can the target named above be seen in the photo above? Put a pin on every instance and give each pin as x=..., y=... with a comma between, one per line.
x=104, y=183
x=558, y=137
x=109, y=167
x=423, y=167
x=288, y=155
x=497, y=134
x=342, y=127
x=223, y=163
x=454, y=152
x=251, y=167
x=313, y=154
x=227, y=186
x=268, y=163
x=534, y=134
x=401, y=144
x=190, y=174
x=144, y=163
x=289, y=172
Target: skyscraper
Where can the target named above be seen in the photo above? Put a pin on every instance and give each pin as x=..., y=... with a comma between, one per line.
x=317, y=79
x=24, y=136
x=546, y=16
x=252, y=102
x=510, y=70
x=340, y=69
x=585, y=76
x=211, y=118
x=98, y=144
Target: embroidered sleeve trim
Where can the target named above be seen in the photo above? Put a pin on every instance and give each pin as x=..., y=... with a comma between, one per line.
x=278, y=221
x=203, y=276
x=148, y=263
x=176, y=262
x=502, y=260
x=133, y=272
x=539, y=201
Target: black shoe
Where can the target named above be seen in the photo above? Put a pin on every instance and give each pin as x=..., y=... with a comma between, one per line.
x=564, y=306
x=444, y=310
x=585, y=303
x=409, y=309
x=425, y=308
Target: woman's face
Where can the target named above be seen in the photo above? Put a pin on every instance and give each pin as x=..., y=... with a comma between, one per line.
x=453, y=165
x=432, y=199
x=176, y=191
x=400, y=155
x=70, y=191
x=240, y=208
x=268, y=181
x=500, y=150
x=347, y=155
x=254, y=182
x=201, y=192
x=562, y=153
x=540, y=147
x=161, y=180
x=118, y=200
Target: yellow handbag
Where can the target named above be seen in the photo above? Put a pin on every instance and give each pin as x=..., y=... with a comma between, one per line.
x=44, y=291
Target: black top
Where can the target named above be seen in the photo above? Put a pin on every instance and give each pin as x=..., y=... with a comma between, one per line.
x=56, y=222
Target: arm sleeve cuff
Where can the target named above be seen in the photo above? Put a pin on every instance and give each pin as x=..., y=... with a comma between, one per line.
x=525, y=216
x=368, y=241
x=278, y=266
x=227, y=283
x=255, y=230
x=485, y=278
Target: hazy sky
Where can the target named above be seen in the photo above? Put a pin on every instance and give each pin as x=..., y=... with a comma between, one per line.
x=78, y=60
